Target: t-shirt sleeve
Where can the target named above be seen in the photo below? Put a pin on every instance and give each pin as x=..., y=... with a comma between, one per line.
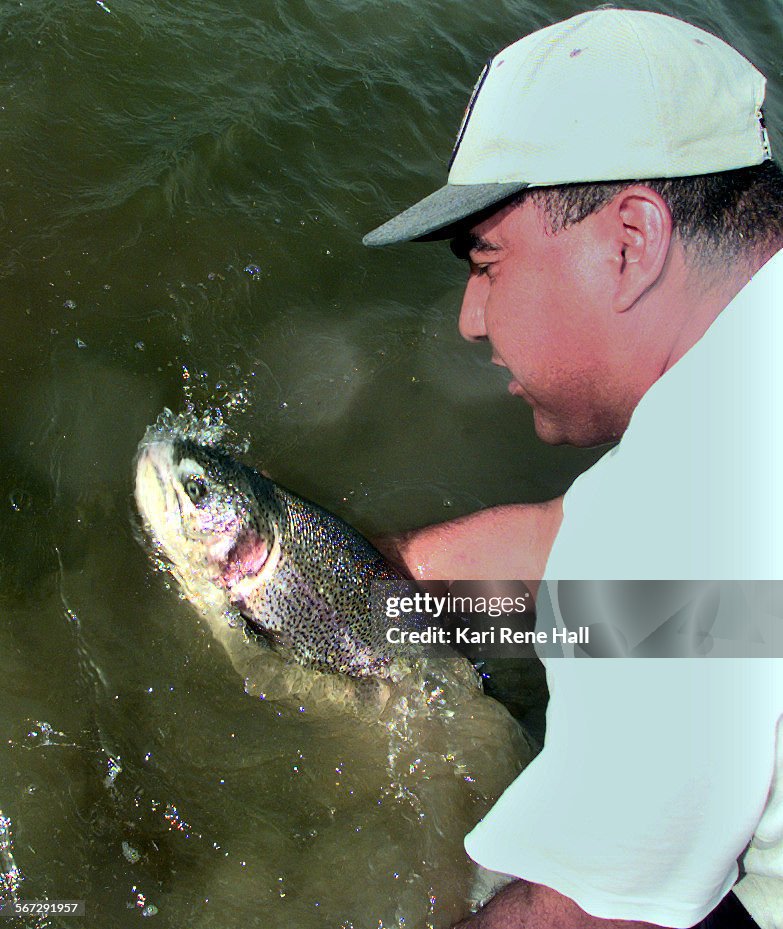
x=652, y=779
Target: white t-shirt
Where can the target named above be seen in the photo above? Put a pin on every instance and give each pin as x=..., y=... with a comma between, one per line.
x=657, y=772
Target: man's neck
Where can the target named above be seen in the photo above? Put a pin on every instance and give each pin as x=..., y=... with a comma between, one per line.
x=703, y=294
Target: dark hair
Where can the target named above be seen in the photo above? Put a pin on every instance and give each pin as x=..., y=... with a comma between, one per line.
x=729, y=214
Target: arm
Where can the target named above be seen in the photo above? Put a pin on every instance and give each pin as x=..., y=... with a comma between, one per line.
x=499, y=543
x=521, y=905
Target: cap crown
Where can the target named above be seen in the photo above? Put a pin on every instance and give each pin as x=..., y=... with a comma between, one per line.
x=612, y=95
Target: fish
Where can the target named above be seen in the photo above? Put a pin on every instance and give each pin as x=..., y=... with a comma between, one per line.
x=239, y=544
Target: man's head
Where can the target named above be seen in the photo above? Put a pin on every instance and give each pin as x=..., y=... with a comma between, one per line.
x=578, y=267
x=588, y=293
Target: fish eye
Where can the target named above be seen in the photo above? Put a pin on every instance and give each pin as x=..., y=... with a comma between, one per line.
x=195, y=488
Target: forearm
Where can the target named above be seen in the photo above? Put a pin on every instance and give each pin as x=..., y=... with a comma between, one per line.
x=500, y=543
x=521, y=905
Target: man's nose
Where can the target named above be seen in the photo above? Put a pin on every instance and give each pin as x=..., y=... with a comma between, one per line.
x=471, y=314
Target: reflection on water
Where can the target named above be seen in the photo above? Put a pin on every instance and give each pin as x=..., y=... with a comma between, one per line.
x=182, y=194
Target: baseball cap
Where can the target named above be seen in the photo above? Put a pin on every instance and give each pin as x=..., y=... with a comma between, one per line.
x=607, y=95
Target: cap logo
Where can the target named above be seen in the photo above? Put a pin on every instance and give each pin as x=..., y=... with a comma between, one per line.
x=469, y=110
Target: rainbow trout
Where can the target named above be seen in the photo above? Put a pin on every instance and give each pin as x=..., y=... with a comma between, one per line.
x=238, y=542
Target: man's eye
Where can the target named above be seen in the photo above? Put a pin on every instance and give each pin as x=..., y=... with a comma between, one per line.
x=195, y=489
x=482, y=270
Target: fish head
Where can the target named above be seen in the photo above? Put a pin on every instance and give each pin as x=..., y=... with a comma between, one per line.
x=200, y=509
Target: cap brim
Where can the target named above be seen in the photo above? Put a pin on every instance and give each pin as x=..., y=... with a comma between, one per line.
x=434, y=216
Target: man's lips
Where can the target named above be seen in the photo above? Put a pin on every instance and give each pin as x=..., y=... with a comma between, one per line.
x=514, y=387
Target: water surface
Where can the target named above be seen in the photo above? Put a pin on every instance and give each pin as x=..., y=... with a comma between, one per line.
x=183, y=190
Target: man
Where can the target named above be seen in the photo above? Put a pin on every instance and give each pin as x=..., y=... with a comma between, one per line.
x=613, y=192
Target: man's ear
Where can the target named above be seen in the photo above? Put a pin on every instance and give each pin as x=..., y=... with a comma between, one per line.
x=643, y=232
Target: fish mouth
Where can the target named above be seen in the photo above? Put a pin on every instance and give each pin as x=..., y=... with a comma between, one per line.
x=155, y=496
x=161, y=507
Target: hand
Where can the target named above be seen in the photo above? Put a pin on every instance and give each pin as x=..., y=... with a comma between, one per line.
x=521, y=905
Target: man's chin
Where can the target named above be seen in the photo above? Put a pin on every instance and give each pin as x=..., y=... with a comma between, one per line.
x=578, y=435
x=551, y=433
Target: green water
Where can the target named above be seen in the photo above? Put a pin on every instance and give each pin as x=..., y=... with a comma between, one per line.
x=183, y=190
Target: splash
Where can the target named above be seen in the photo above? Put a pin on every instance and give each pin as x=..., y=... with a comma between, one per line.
x=210, y=428
x=209, y=404
x=10, y=875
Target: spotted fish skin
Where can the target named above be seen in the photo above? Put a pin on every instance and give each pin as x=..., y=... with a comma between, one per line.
x=300, y=576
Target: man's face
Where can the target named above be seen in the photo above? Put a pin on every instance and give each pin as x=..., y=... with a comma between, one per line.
x=540, y=299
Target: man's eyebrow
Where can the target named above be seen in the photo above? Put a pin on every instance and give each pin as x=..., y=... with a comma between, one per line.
x=462, y=245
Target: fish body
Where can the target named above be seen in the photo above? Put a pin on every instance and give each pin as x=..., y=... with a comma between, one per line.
x=300, y=577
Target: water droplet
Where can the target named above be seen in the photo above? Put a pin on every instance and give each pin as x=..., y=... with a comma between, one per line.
x=70, y=305
x=115, y=769
x=139, y=346
x=19, y=500
x=131, y=854
x=80, y=343
x=254, y=271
